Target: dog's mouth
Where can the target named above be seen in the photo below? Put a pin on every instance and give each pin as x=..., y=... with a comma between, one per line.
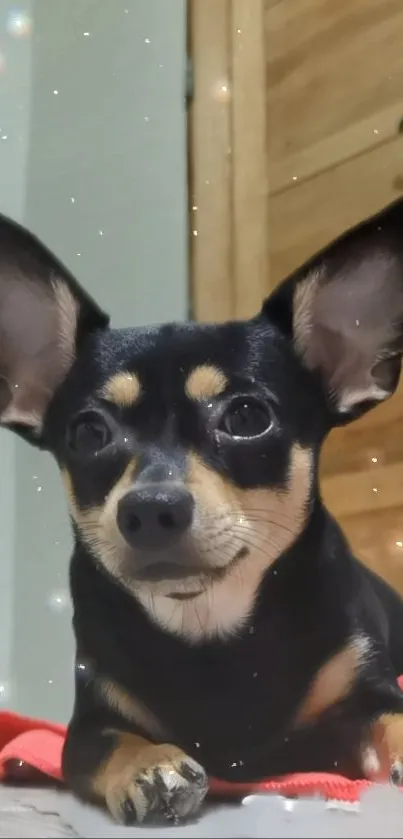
x=156, y=571
x=194, y=577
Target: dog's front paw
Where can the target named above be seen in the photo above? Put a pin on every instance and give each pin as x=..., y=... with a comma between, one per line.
x=382, y=759
x=158, y=782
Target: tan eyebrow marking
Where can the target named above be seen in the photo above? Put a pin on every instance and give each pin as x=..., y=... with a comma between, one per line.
x=205, y=382
x=123, y=389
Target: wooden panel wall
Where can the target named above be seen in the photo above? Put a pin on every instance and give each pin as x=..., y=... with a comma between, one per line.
x=296, y=136
x=228, y=160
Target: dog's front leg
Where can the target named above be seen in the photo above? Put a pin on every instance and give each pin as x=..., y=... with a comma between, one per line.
x=133, y=777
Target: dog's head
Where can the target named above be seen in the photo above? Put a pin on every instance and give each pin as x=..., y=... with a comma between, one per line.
x=189, y=451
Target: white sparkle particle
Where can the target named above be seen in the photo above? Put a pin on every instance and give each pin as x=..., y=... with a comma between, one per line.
x=4, y=136
x=195, y=208
x=55, y=92
x=374, y=489
x=39, y=489
x=357, y=323
x=19, y=24
x=72, y=199
x=100, y=232
x=254, y=674
x=239, y=31
x=146, y=119
x=78, y=253
x=4, y=692
x=86, y=35
x=399, y=544
x=195, y=232
x=81, y=666
x=50, y=681
x=58, y=601
x=295, y=177
x=197, y=745
x=374, y=459
x=376, y=131
x=147, y=41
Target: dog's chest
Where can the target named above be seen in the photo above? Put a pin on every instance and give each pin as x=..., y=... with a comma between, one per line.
x=227, y=701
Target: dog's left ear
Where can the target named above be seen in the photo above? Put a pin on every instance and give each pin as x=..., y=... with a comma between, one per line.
x=44, y=318
x=344, y=313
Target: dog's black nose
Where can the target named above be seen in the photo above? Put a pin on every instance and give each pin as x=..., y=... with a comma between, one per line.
x=153, y=518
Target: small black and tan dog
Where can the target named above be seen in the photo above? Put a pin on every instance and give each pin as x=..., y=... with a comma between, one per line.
x=222, y=625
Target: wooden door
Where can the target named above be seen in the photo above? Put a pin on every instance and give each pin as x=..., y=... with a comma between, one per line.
x=302, y=139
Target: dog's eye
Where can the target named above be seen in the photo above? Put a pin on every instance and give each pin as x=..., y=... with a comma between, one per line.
x=246, y=417
x=89, y=434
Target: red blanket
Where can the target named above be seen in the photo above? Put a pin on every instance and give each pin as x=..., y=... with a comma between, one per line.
x=29, y=747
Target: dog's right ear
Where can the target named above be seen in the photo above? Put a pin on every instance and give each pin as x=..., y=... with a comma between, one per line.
x=44, y=316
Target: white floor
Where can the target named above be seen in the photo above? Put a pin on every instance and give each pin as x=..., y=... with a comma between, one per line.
x=379, y=814
x=31, y=813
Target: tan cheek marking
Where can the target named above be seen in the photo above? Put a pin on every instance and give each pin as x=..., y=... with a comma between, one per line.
x=281, y=513
x=130, y=708
x=333, y=682
x=205, y=382
x=271, y=509
x=123, y=389
x=208, y=487
x=97, y=524
x=131, y=758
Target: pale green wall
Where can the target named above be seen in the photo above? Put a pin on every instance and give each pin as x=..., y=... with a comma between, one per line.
x=113, y=139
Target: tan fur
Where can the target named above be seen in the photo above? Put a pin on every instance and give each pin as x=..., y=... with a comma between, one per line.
x=392, y=735
x=303, y=304
x=334, y=680
x=67, y=308
x=123, y=390
x=265, y=521
x=205, y=382
x=133, y=758
x=98, y=526
x=227, y=520
x=130, y=708
x=382, y=755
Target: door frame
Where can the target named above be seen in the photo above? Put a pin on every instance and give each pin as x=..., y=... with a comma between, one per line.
x=228, y=166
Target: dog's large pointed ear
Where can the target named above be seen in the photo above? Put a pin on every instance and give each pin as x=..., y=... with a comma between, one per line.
x=44, y=316
x=344, y=313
